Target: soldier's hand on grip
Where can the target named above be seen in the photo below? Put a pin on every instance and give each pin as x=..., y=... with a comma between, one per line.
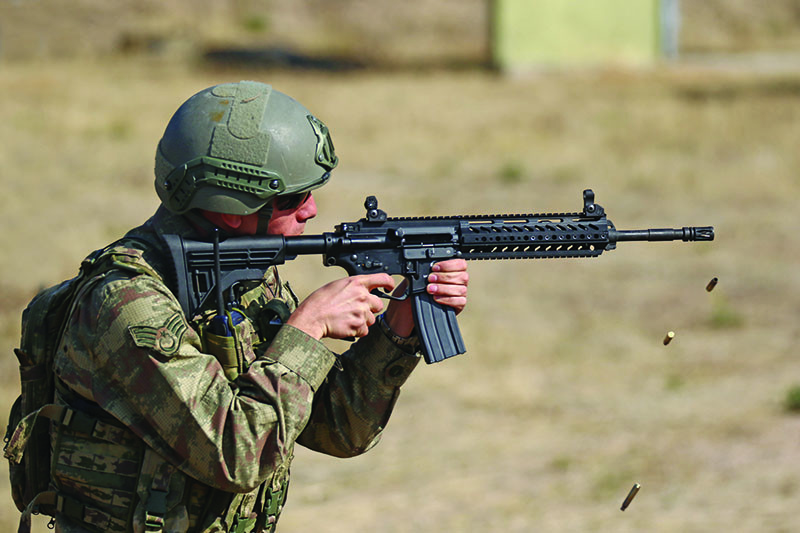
x=342, y=308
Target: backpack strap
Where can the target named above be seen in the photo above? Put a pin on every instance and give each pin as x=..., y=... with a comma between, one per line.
x=119, y=256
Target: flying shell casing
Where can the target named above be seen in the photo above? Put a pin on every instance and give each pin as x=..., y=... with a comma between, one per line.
x=630, y=496
x=669, y=337
x=712, y=284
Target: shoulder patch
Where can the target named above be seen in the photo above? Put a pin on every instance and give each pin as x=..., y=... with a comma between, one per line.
x=165, y=339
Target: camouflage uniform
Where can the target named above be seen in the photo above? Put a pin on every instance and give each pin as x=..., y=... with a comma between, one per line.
x=172, y=444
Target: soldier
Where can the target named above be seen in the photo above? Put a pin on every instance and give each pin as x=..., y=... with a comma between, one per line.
x=193, y=419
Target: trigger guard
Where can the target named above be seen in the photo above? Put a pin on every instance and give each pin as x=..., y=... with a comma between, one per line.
x=386, y=296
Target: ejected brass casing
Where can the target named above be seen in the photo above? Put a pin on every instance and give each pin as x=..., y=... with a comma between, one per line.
x=669, y=337
x=630, y=496
x=712, y=284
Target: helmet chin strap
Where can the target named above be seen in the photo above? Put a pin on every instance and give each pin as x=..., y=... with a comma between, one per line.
x=264, y=216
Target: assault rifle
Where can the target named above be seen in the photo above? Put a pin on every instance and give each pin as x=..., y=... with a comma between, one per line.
x=408, y=247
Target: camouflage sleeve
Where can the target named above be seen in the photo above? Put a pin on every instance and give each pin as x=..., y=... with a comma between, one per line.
x=355, y=402
x=149, y=372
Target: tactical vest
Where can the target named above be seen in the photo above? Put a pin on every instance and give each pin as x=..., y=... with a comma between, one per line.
x=102, y=477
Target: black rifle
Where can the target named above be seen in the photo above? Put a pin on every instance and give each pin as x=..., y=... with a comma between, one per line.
x=408, y=247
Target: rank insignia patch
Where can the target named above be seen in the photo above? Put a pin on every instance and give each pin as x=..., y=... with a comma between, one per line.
x=165, y=339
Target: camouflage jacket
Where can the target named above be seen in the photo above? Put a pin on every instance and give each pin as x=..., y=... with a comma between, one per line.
x=190, y=449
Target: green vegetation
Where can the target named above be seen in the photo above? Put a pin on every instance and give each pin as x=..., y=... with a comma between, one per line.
x=724, y=315
x=255, y=23
x=792, y=400
x=511, y=172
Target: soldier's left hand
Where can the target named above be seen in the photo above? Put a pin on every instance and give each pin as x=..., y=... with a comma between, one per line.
x=447, y=284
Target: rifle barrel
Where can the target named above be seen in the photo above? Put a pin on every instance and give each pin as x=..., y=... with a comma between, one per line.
x=691, y=233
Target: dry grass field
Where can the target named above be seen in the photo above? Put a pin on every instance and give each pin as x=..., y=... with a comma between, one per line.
x=567, y=396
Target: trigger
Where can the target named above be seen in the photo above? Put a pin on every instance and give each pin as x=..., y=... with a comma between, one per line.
x=385, y=295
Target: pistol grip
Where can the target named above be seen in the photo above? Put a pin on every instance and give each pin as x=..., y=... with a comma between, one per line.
x=437, y=328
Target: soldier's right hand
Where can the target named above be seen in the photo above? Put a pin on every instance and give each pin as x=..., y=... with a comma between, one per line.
x=343, y=308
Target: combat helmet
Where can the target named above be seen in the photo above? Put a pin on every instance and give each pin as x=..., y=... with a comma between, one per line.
x=231, y=148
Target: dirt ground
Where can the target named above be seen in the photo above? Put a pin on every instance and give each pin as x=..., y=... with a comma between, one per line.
x=567, y=395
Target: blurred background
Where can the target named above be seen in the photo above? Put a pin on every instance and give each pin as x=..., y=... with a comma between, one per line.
x=674, y=112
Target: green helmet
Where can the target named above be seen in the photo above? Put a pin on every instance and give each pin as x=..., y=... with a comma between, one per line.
x=231, y=148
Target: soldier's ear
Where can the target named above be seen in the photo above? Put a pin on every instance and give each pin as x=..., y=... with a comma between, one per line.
x=232, y=221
